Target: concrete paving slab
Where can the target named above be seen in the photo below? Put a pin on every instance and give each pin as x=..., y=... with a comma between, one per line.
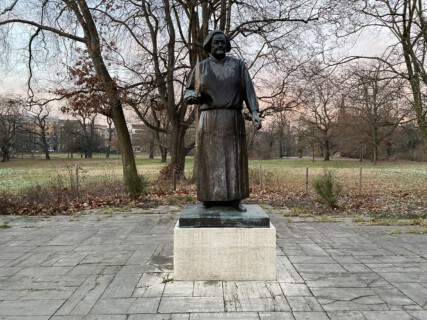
x=304, y=304
x=86, y=296
x=310, y=316
x=191, y=304
x=153, y=316
x=347, y=315
x=145, y=305
x=25, y=317
x=112, y=306
x=208, y=289
x=225, y=316
x=276, y=316
x=150, y=285
x=122, y=286
x=29, y=307
x=295, y=290
x=117, y=267
x=91, y=317
x=387, y=315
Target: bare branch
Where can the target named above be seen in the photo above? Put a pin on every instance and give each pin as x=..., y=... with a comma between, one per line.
x=9, y=8
x=43, y=27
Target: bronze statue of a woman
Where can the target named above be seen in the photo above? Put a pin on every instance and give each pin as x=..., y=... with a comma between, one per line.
x=223, y=85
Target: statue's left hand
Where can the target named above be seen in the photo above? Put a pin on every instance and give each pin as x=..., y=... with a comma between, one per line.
x=256, y=120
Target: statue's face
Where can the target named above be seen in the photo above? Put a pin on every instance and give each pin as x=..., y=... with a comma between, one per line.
x=218, y=46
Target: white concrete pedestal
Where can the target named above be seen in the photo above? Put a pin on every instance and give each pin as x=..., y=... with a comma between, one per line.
x=225, y=253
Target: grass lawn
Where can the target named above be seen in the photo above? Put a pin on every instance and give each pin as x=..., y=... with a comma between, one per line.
x=290, y=174
x=395, y=187
x=276, y=174
x=18, y=174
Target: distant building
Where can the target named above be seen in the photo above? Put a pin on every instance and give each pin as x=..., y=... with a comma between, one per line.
x=140, y=136
x=53, y=132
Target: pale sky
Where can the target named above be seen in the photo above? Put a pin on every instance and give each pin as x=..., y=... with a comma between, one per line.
x=13, y=78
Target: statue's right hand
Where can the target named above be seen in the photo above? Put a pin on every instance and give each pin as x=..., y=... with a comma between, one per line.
x=194, y=100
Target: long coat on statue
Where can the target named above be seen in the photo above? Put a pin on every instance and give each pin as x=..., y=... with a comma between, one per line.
x=222, y=166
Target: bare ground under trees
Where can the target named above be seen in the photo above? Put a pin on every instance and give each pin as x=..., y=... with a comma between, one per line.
x=381, y=197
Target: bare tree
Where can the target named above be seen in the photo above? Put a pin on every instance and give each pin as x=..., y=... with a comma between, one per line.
x=169, y=36
x=36, y=125
x=377, y=104
x=88, y=131
x=156, y=118
x=136, y=52
x=70, y=137
x=404, y=24
x=10, y=118
x=407, y=142
x=321, y=100
x=79, y=27
x=285, y=135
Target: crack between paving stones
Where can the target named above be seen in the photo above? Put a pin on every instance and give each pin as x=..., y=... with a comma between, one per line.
x=91, y=290
x=171, y=225
x=236, y=299
x=296, y=270
x=162, y=249
x=368, y=285
x=161, y=297
x=398, y=289
x=223, y=297
x=136, y=286
x=273, y=296
x=157, y=255
x=365, y=296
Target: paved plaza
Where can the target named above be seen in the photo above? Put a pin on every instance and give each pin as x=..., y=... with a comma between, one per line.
x=119, y=266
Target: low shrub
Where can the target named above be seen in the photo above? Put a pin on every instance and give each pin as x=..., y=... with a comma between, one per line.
x=328, y=189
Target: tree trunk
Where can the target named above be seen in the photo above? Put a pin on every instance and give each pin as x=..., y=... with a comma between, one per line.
x=88, y=153
x=375, y=154
x=164, y=154
x=419, y=111
x=90, y=142
x=414, y=72
x=151, y=150
x=178, y=151
x=327, y=151
x=131, y=179
x=44, y=144
x=281, y=153
x=424, y=135
x=110, y=137
x=5, y=154
x=45, y=147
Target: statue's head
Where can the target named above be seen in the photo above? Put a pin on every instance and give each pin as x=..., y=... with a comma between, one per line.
x=217, y=44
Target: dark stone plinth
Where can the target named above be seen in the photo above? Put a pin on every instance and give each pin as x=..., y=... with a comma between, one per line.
x=195, y=216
